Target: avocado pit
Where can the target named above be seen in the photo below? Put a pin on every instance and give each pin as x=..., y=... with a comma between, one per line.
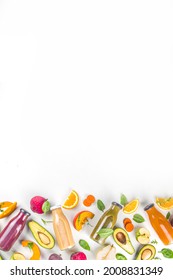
x=45, y=239
x=121, y=237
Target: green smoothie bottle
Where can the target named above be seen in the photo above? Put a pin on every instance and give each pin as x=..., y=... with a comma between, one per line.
x=107, y=220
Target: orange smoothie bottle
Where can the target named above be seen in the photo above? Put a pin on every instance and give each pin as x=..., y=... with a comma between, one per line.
x=62, y=228
x=160, y=224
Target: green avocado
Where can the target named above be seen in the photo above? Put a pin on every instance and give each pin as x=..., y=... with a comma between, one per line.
x=121, y=237
x=147, y=252
x=41, y=235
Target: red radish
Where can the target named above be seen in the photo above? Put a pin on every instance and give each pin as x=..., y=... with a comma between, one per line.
x=39, y=205
x=78, y=256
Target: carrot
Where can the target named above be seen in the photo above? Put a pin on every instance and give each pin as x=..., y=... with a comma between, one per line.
x=126, y=221
x=86, y=202
x=91, y=198
x=129, y=227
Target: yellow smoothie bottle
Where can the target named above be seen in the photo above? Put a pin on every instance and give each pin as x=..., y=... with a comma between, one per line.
x=62, y=228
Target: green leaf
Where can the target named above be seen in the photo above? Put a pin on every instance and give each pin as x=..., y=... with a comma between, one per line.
x=30, y=245
x=100, y=205
x=46, y=206
x=46, y=222
x=154, y=241
x=84, y=244
x=168, y=215
x=138, y=218
x=120, y=257
x=105, y=232
x=123, y=200
x=167, y=253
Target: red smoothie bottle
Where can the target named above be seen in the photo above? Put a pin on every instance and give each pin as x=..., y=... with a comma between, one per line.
x=12, y=230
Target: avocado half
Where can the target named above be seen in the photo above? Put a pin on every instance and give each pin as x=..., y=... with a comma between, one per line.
x=41, y=235
x=147, y=252
x=121, y=237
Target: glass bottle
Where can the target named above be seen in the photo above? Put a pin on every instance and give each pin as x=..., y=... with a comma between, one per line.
x=13, y=229
x=62, y=229
x=160, y=224
x=107, y=220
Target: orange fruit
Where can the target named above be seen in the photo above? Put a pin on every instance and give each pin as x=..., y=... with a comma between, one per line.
x=165, y=203
x=71, y=201
x=131, y=206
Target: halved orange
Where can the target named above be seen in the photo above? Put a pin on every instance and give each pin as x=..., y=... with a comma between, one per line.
x=71, y=201
x=165, y=203
x=131, y=206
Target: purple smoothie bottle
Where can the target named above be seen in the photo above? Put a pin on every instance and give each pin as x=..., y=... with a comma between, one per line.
x=13, y=229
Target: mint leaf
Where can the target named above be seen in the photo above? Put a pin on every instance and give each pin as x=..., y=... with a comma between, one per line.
x=123, y=200
x=30, y=245
x=167, y=253
x=46, y=206
x=138, y=218
x=84, y=244
x=100, y=205
x=105, y=232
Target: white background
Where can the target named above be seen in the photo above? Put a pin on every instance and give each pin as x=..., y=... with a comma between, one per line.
x=86, y=100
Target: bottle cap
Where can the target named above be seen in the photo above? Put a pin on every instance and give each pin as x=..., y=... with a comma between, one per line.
x=55, y=207
x=117, y=204
x=25, y=212
x=148, y=206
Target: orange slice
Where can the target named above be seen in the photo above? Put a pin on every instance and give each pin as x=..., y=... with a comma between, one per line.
x=131, y=206
x=165, y=203
x=71, y=201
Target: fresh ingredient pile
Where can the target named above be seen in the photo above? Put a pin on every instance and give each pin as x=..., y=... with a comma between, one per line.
x=107, y=239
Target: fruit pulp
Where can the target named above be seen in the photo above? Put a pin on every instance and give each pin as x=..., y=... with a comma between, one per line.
x=13, y=229
x=160, y=224
x=107, y=220
x=62, y=229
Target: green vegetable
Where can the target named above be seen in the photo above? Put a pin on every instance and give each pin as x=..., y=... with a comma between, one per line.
x=138, y=218
x=120, y=257
x=168, y=215
x=84, y=244
x=100, y=205
x=46, y=222
x=154, y=241
x=46, y=206
x=30, y=245
x=105, y=232
x=167, y=253
x=123, y=200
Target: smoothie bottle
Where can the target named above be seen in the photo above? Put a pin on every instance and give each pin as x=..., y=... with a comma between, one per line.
x=13, y=229
x=107, y=220
x=62, y=229
x=160, y=224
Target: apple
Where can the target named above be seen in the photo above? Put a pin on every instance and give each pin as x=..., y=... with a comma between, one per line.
x=106, y=253
x=143, y=236
x=81, y=218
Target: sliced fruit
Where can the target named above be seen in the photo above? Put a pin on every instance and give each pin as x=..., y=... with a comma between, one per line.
x=32, y=246
x=121, y=237
x=143, y=236
x=17, y=257
x=131, y=207
x=41, y=235
x=81, y=218
x=71, y=201
x=165, y=203
x=147, y=252
x=106, y=253
x=8, y=209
